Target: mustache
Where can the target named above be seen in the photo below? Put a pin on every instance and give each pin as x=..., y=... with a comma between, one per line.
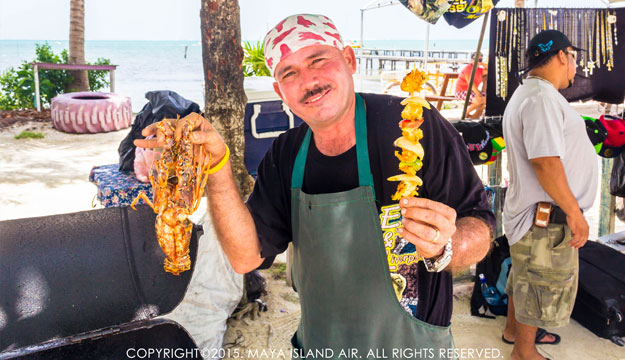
x=315, y=91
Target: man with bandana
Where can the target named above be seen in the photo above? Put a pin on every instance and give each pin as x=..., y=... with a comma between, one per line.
x=358, y=256
x=551, y=161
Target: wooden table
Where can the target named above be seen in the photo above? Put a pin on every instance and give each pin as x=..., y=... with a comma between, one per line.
x=50, y=66
x=442, y=96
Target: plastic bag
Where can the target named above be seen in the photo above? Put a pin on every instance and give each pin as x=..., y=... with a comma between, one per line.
x=144, y=158
x=126, y=149
x=162, y=104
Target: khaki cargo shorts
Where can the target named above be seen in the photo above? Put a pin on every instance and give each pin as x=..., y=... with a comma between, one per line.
x=543, y=277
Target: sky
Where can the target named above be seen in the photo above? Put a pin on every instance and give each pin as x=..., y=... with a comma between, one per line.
x=180, y=19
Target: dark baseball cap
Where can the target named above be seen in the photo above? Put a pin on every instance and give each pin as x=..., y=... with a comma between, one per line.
x=543, y=45
x=546, y=43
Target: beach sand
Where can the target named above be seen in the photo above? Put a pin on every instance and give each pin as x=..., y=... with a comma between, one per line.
x=50, y=176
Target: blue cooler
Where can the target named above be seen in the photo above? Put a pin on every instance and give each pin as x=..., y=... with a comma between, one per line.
x=266, y=117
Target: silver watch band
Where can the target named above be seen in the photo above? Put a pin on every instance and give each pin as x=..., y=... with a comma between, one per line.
x=440, y=263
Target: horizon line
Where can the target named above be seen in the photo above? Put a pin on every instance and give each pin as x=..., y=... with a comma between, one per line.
x=431, y=39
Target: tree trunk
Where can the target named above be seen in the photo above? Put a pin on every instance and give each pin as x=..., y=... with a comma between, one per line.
x=225, y=99
x=77, y=45
x=519, y=3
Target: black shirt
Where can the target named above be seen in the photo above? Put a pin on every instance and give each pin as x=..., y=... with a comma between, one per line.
x=448, y=177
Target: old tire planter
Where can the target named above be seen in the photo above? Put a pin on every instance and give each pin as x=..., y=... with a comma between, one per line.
x=90, y=112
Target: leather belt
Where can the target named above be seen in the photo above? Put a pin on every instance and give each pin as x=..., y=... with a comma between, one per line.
x=558, y=216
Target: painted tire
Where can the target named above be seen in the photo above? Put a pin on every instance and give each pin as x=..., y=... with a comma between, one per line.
x=90, y=112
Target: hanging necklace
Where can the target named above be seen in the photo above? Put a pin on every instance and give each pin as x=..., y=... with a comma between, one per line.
x=517, y=35
x=497, y=51
x=598, y=41
x=503, y=63
x=582, y=61
x=603, y=47
x=610, y=45
x=589, y=63
x=614, y=22
x=510, y=27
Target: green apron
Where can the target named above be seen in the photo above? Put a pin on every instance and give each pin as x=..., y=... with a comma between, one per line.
x=341, y=272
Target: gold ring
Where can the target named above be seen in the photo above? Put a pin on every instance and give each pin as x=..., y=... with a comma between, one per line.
x=438, y=234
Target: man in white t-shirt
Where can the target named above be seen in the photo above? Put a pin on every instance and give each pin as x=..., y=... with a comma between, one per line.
x=550, y=160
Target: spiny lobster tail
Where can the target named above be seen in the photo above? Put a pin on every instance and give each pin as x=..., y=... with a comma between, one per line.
x=178, y=180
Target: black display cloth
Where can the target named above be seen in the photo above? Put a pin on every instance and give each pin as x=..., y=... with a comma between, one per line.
x=603, y=85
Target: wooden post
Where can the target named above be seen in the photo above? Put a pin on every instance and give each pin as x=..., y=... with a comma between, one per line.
x=224, y=96
x=37, y=100
x=112, y=84
x=607, y=204
x=476, y=62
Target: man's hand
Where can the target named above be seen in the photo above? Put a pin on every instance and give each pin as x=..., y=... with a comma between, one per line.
x=550, y=174
x=579, y=229
x=427, y=225
x=203, y=134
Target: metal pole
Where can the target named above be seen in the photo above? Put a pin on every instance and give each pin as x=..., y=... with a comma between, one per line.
x=494, y=181
x=606, y=208
x=112, y=85
x=475, y=64
x=360, y=60
x=362, y=20
x=37, y=100
x=427, y=48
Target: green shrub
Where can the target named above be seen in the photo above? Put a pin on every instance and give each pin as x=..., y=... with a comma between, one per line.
x=99, y=79
x=254, y=60
x=29, y=135
x=17, y=86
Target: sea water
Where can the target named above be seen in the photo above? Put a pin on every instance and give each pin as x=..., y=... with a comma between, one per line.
x=170, y=65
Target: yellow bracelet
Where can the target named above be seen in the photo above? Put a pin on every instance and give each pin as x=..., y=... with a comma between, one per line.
x=221, y=163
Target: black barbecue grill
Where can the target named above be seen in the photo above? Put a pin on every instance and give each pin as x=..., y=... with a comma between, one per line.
x=88, y=285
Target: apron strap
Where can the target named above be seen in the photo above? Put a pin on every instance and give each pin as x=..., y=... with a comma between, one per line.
x=365, y=178
x=297, y=177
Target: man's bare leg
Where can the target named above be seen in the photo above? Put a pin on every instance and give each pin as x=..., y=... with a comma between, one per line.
x=509, y=333
x=524, y=346
x=471, y=111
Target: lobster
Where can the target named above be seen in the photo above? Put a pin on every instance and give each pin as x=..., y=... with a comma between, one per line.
x=178, y=178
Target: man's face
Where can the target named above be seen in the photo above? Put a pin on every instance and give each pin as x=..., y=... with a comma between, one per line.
x=571, y=65
x=316, y=83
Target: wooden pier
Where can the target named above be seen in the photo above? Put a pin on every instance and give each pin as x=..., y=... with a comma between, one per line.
x=388, y=59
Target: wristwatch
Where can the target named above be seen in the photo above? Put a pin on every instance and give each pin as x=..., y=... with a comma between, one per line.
x=440, y=263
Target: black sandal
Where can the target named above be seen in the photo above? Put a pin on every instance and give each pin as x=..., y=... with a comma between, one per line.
x=540, y=334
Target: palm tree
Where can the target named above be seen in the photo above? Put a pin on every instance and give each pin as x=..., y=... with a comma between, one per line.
x=77, y=45
x=224, y=97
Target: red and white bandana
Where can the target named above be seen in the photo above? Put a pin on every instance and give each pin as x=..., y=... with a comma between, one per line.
x=296, y=32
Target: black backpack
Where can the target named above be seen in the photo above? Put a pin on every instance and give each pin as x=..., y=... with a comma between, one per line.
x=161, y=104
x=495, y=267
